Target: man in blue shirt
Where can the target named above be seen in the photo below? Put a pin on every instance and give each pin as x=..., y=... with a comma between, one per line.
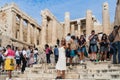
x=56, y=52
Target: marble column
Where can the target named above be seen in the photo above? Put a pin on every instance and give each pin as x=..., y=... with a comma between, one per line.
x=117, y=13
x=14, y=32
x=79, y=28
x=67, y=23
x=28, y=32
x=35, y=36
x=39, y=36
x=73, y=29
x=106, y=18
x=21, y=29
x=54, y=32
x=44, y=25
x=89, y=23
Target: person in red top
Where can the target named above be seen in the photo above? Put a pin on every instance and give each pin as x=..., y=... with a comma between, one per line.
x=47, y=51
x=9, y=62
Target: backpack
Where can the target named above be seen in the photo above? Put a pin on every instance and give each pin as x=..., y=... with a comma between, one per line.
x=22, y=57
x=111, y=37
x=1, y=58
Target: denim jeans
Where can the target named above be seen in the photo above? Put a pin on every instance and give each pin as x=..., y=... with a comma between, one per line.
x=116, y=49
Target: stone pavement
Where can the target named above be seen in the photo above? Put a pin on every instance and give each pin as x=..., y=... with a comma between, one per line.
x=87, y=71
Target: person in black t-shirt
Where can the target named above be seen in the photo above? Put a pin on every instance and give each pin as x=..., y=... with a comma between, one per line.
x=81, y=48
x=104, y=47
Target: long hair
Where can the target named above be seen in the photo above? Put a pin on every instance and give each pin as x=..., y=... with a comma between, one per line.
x=104, y=35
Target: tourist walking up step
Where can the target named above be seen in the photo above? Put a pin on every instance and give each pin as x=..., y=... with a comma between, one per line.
x=116, y=44
x=18, y=58
x=56, y=52
x=81, y=48
x=61, y=64
x=9, y=62
x=24, y=60
x=36, y=55
x=67, y=51
x=104, y=47
x=28, y=50
x=47, y=52
x=31, y=58
x=93, y=38
x=73, y=48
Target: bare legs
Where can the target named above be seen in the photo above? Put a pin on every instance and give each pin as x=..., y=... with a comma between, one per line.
x=10, y=74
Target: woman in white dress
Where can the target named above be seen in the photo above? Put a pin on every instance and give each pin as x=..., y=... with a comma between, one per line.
x=61, y=64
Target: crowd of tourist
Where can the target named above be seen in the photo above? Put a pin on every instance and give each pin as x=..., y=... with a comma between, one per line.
x=99, y=49
x=17, y=59
x=95, y=47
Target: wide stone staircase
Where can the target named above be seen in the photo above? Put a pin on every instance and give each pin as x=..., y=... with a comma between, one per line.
x=87, y=71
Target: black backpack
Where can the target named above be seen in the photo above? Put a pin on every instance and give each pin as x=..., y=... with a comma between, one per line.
x=22, y=57
x=111, y=37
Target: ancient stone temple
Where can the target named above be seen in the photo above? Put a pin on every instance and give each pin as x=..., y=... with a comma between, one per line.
x=117, y=13
x=17, y=28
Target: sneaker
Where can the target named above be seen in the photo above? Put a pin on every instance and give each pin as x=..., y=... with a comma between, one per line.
x=99, y=60
x=70, y=66
x=81, y=61
x=105, y=61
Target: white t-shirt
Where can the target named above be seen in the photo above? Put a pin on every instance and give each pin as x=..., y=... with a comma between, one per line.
x=24, y=53
x=68, y=38
x=35, y=51
x=17, y=53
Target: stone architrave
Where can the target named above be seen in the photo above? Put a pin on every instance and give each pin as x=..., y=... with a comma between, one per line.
x=67, y=23
x=54, y=32
x=106, y=18
x=28, y=32
x=21, y=29
x=89, y=23
x=117, y=13
x=73, y=29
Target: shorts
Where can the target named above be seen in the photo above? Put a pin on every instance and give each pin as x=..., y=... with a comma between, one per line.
x=93, y=48
x=18, y=61
x=81, y=50
x=103, y=49
x=72, y=53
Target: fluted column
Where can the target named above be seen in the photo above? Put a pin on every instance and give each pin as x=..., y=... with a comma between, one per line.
x=28, y=32
x=106, y=18
x=44, y=25
x=72, y=29
x=21, y=29
x=54, y=32
x=89, y=23
x=117, y=13
x=67, y=23
x=79, y=28
x=14, y=25
x=35, y=36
